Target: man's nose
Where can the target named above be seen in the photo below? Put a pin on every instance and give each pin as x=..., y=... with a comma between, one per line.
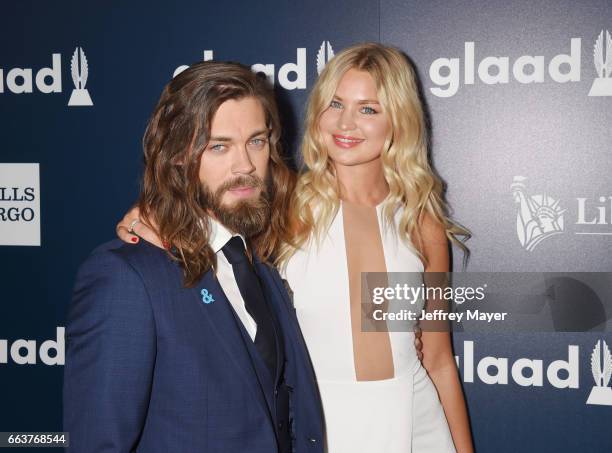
x=243, y=163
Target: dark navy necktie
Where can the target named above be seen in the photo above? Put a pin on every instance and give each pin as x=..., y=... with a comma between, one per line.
x=254, y=300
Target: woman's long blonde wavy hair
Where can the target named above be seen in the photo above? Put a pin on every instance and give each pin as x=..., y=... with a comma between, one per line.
x=412, y=182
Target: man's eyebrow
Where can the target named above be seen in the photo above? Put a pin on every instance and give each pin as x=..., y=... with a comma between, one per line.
x=361, y=101
x=228, y=139
x=260, y=132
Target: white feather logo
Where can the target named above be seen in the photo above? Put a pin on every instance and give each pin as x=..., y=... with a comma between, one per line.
x=80, y=71
x=601, y=366
x=602, y=57
x=326, y=53
x=598, y=55
x=608, y=64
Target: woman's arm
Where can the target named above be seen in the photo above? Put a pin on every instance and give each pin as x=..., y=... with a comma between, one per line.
x=139, y=229
x=438, y=357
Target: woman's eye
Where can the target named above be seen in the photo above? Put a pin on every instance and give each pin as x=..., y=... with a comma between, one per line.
x=368, y=111
x=335, y=105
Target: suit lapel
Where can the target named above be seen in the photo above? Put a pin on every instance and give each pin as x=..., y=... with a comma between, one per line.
x=226, y=325
x=279, y=292
x=287, y=318
x=270, y=295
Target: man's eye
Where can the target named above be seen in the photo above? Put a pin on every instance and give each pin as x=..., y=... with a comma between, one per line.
x=368, y=110
x=217, y=148
x=335, y=105
x=258, y=142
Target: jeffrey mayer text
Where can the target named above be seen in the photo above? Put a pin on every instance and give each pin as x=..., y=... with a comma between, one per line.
x=438, y=315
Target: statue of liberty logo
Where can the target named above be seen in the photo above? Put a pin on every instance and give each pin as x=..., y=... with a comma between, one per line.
x=538, y=217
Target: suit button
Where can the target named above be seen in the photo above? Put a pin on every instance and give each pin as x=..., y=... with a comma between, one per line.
x=275, y=392
x=313, y=440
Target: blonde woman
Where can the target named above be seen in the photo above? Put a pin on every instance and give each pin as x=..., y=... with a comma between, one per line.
x=369, y=201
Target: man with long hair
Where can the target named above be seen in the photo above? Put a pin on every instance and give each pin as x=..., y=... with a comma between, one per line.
x=194, y=346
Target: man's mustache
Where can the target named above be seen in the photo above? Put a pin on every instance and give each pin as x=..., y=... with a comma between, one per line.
x=240, y=181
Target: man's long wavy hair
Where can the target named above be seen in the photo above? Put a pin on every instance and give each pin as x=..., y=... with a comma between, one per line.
x=413, y=184
x=178, y=132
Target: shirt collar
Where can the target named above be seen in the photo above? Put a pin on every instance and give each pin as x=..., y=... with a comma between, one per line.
x=220, y=235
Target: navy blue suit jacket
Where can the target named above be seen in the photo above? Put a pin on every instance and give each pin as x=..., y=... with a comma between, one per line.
x=150, y=367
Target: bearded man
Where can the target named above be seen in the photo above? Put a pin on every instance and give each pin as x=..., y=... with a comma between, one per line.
x=194, y=346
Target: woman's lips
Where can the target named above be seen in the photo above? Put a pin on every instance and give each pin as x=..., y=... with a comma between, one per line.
x=345, y=141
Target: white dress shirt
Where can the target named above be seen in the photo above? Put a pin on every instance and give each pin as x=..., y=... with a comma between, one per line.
x=219, y=236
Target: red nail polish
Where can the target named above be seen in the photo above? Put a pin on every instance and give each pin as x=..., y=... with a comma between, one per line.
x=134, y=239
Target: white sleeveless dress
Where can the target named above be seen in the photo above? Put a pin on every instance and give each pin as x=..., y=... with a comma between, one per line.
x=398, y=415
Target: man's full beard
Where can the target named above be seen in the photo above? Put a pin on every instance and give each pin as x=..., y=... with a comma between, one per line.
x=246, y=217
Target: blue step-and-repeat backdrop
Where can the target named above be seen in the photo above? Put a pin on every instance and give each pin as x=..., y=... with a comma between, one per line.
x=520, y=99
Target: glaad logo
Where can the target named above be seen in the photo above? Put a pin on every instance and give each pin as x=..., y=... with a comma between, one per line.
x=80, y=71
x=445, y=72
x=602, y=85
x=601, y=366
x=19, y=204
x=524, y=372
x=291, y=76
x=49, y=80
x=561, y=374
x=23, y=352
x=539, y=216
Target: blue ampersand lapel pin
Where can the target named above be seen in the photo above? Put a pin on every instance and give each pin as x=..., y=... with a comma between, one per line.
x=207, y=298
